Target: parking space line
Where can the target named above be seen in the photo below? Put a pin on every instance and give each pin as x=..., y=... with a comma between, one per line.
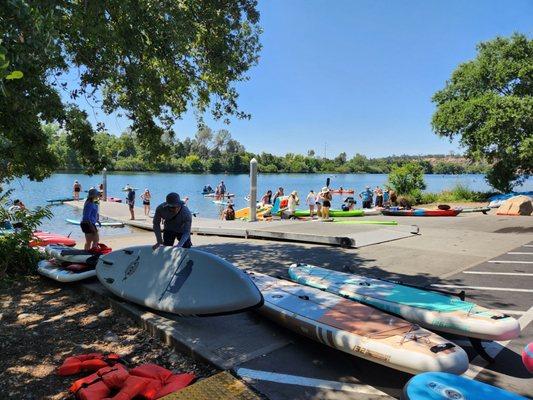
x=497, y=273
x=482, y=288
x=478, y=364
x=509, y=262
x=521, y=252
x=250, y=374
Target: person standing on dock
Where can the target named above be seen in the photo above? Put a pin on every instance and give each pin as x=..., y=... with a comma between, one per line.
x=177, y=220
x=130, y=199
x=310, y=201
x=76, y=189
x=145, y=197
x=90, y=219
x=366, y=197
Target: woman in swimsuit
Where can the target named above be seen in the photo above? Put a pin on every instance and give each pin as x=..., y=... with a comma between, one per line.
x=145, y=197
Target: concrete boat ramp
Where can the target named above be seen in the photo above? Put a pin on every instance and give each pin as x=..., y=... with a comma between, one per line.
x=316, y=231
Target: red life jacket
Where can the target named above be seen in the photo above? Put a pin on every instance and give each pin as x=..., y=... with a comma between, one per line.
x=148, y=381
x=86, y=362
x=101, y=249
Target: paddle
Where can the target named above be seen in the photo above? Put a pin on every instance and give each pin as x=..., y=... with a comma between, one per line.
x=328, y=181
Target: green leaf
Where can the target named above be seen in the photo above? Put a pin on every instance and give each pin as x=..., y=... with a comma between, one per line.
x=15, y=75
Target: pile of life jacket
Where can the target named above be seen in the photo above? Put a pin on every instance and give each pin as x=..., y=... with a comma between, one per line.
x=111, y=380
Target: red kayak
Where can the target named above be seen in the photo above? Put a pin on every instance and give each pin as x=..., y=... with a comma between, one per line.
x=41, y=238
x=422, y=212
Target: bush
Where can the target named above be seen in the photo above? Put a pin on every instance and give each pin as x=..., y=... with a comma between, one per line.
x=16, y=256
x=268, y=169
x=458, y=193
x=407, y=179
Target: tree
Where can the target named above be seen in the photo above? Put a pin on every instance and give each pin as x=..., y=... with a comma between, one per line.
x=152, y=60
x=488, y=104
x=407, y=179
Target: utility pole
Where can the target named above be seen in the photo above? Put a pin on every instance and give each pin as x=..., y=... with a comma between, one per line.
x=253, y=189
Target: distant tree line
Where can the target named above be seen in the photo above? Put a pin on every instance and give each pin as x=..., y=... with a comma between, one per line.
x=216, y=152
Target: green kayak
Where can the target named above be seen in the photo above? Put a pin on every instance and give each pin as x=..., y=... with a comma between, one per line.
x=333, y=213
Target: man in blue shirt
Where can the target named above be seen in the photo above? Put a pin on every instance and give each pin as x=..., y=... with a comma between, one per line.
x=177, y=220
x=366, y=197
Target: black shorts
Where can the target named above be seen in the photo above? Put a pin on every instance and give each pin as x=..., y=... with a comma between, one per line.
x=146, y=203
x=326, y=203
x=88, y=227
x=169, y=237
x=77, y=190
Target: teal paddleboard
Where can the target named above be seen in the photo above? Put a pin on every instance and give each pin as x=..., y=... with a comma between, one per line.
x=428, y=308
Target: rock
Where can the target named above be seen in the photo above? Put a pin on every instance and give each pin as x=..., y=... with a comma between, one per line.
x=23, y=315
x=110, y=337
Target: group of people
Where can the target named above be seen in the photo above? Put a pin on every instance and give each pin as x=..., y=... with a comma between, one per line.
x=378, y=197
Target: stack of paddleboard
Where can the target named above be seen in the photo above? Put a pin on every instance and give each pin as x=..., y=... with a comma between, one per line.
x=70, y=265
x=116, y=224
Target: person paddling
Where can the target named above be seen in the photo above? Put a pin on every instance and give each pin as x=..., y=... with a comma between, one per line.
x=90, y=219
x=177, y=220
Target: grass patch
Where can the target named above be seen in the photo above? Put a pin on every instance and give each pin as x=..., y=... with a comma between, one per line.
x=457, y=194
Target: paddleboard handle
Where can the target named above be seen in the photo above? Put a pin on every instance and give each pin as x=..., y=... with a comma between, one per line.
x=128, y=252
x=107, y=262
x=304, y=297
x=441, y=347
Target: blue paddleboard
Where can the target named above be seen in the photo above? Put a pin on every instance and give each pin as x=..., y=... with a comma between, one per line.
x=444, y=386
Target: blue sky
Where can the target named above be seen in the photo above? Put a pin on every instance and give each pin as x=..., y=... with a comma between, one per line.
x=357, y=76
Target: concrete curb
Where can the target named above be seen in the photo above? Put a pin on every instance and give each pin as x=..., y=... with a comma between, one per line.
x=157, y=326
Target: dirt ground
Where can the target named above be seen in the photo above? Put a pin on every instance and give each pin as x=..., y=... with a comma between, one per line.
x=42, y=323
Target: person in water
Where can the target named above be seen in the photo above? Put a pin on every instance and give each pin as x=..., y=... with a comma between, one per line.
x=90, y=219
x=76, y=189
x=310, y=201
x=267, y=198
x=177, y=220
x=229, y=213
x=130, y=199
x=146, y=197
x=325, y=198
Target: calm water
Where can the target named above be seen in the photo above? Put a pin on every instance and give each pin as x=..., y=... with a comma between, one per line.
x=59, y=185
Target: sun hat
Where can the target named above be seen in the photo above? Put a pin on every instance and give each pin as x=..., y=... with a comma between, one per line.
x=325, y=189
x=173, y=200
x=294, y=193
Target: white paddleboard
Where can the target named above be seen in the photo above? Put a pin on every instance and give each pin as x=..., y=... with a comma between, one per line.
x=357, y=329
x=68, y=254
x=107, y=223
x=51, y=270
x=177, y=280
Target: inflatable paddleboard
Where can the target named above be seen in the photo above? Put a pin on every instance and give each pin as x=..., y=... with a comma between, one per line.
x=443, y=386
x=60, y=274
x=68, y=254
x=422, y=212
x=108, y=223
x=177, y=280
x=41, y=238
x=114, y=199
x=430, y=309
x=357, y=329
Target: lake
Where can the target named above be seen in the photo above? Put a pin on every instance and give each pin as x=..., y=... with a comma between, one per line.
x=60, y=185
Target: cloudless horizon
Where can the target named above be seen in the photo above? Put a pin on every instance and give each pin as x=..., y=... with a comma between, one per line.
x=354, y=76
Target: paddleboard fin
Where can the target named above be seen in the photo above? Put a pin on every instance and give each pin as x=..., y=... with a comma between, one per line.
x=478, y=347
